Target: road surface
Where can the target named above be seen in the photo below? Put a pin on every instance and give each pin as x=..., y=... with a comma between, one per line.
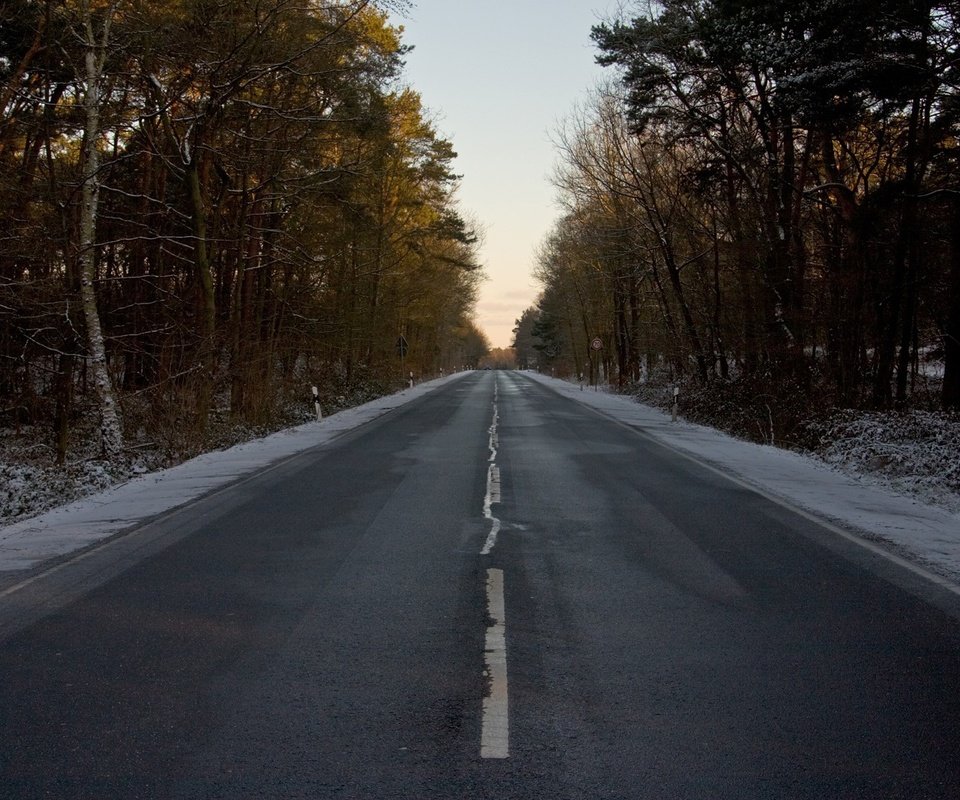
x=493, y=592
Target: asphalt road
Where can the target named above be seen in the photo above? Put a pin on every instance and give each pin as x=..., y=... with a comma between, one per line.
x=490, y=593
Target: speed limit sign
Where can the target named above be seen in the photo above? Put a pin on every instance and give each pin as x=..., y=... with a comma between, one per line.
x=596, y=344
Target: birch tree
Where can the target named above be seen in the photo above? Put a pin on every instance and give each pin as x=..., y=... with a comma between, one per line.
x=94, y=32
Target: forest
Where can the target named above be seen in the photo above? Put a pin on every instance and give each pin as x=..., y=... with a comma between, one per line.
x=207, y=207
x=762, y=205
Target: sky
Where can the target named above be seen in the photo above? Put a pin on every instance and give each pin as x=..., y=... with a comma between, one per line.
x=498, y=77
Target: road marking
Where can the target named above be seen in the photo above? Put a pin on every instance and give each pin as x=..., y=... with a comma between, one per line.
x=494, y=435
x=493, y=480
x=492, y=496
x=495, y=731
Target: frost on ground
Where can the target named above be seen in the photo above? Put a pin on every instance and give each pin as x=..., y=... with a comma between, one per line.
x=31, y=483
x=913, y=453
x=29, y=486
x=916, y=453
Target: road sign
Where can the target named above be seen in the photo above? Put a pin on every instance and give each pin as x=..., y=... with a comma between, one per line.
x=401, y=347
x=596, y=344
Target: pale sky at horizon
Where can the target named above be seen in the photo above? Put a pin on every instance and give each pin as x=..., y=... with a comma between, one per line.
x=498, y=78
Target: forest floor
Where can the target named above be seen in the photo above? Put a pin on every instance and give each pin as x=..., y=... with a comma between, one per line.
x=914, y=453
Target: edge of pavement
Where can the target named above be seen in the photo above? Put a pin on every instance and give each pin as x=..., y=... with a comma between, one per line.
x=29, y=544
x=922, y=538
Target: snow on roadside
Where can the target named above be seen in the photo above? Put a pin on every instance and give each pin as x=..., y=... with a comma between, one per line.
x=924, y=533
x=916, y=453
x=62, y=530
x=27, y=489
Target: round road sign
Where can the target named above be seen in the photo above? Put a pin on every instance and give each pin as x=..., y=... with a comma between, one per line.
x=596, y=344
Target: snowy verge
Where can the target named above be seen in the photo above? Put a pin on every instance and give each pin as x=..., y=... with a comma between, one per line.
x=71, y=527
x=924, y=534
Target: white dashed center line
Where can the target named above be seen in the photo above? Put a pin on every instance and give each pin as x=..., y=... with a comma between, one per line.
x=493, y=481
x=495, y=731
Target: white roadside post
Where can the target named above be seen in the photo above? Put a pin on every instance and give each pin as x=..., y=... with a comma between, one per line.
x=596, y=346
x=316, y=402
x=676, y=401
x=411, y=380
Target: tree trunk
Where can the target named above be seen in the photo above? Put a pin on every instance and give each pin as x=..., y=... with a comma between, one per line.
x=61, y=423
x=620, y=327
x=110, y=428
x=672, y=329
x=951, y=331
x=207, y=299
x=899, y=311
x=673, y=271
x=634, y=364
x=720, y=355
x=908, y=325
x=846, y=287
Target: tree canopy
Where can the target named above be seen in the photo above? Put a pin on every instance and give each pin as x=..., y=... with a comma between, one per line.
x=275, y=209
x=766, y=194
